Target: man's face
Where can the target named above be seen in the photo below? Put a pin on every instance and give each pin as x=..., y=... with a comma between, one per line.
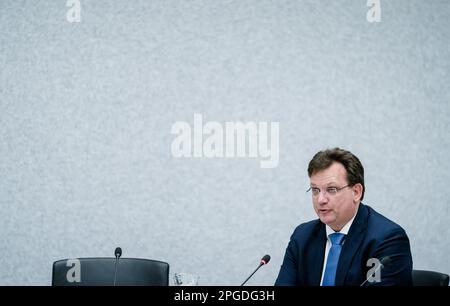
x=335, y=210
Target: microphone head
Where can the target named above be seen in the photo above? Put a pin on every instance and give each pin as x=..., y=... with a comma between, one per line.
x=265, y=260
x=385, y=260
x=118, y=252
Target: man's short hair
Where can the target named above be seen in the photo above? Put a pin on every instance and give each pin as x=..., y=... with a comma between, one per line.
x=323, y=159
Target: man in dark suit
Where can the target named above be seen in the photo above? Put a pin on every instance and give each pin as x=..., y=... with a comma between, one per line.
x=350, y=241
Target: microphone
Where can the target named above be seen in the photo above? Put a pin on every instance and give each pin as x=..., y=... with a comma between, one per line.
x=383, y=262
x=117, y=253
x=264, y=261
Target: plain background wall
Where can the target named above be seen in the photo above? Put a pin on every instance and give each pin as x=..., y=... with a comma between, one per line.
x=87, y=109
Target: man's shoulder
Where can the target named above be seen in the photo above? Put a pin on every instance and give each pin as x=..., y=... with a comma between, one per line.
x=380, y=223
x=307, y=228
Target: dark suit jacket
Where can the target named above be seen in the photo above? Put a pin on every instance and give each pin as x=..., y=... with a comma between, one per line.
x=370, y=236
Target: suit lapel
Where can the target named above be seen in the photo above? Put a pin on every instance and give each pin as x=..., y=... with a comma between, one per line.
x=316, y=252
x=352, y=242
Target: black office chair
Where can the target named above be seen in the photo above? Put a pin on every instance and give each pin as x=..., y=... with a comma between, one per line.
x=429, y=278
x=100, y=272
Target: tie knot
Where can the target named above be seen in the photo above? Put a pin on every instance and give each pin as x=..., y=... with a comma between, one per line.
x=336, y=238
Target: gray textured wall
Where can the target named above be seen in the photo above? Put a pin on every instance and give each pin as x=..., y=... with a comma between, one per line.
x=87, y=110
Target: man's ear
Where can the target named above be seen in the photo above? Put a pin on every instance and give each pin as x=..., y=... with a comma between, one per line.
x=357, y=192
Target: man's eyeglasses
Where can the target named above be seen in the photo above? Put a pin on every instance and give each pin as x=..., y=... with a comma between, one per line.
x=329, y=190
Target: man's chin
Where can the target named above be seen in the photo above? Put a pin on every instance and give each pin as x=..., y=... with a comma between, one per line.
x=326, y=220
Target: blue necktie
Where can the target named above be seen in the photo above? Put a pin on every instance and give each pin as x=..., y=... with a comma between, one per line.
x=333, y=258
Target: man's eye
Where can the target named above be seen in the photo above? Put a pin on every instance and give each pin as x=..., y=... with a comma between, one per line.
x=332, y=190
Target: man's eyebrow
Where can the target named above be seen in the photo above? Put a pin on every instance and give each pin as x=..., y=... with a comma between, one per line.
x=329, y=184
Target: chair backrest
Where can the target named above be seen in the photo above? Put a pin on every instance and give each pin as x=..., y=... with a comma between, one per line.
x=99, y=271
x=429, y=278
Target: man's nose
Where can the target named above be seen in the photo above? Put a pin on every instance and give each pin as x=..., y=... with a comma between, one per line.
x=321, y=198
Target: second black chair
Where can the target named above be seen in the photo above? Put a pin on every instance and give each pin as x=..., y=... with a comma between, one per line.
x=99, y=271
x=429, y=278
